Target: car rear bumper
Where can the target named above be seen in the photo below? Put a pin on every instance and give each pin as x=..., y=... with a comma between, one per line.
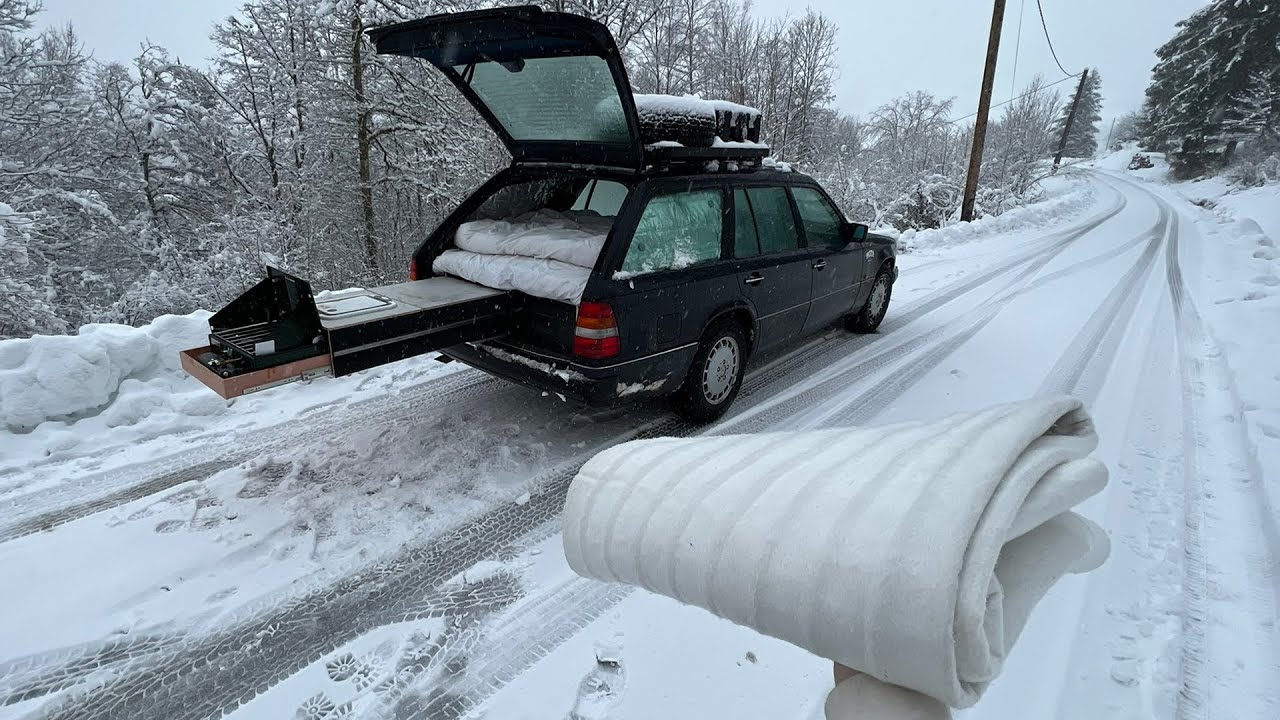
x=648, y=377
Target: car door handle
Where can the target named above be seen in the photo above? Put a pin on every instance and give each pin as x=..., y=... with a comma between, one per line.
x=820, y=264
x=754, y=279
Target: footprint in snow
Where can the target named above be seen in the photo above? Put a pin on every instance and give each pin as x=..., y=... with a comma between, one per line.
x=600, y=691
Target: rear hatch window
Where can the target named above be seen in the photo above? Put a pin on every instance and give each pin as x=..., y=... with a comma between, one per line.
x=570, y=99
x=551, y=85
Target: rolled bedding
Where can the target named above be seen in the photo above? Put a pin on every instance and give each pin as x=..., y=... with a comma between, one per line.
x=574, y=237
x=550, y=279
x=911, y=552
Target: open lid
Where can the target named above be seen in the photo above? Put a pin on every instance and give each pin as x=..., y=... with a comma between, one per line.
x=552, y=85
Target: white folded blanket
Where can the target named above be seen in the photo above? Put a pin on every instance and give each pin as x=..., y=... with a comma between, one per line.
x=550, y=279
x=911, y=552
x=574, y=237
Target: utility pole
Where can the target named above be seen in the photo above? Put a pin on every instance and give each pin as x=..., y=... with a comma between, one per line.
x=984, y=107
x=1071, y=116
x=1110, y=133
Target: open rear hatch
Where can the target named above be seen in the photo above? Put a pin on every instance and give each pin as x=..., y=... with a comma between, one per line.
x=277, y=332
x=552, y=85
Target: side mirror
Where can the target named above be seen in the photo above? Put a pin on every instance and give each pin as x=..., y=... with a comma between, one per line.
x=855, y=232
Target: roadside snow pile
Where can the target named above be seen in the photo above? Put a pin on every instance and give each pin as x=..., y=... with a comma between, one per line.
x=1257, y=206
x=1239, y=268
x=119, y=372
x=1070, y=203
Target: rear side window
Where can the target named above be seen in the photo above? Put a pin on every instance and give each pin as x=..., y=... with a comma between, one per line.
x=602, y=196
x=746, y=243
x=775, y=223
x=676, y=231
x=821, y=221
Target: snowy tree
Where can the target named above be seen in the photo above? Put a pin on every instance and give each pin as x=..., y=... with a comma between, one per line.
x=1250, y=113
x=47, y=185
x=1020, y=141
x=1127, y=128
x=1215, y=56
x=1082, y=141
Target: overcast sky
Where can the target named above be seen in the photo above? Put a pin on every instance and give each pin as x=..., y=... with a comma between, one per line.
x=886, y=47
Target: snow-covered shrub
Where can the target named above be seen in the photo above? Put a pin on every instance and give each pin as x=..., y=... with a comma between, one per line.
x=931, y=203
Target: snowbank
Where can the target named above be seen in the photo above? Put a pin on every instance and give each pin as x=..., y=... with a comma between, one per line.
x=1238, y=271
x=119, y=371
x=1070, y=203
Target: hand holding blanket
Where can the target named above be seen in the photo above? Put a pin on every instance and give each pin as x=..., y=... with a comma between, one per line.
x=912, y=552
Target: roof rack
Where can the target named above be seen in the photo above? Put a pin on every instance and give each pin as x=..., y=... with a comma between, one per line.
x=725, y=158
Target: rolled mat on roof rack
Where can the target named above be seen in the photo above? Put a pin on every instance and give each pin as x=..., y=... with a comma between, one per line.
x=694, y=122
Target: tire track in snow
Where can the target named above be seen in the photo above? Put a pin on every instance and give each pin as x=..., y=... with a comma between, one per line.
x=842, y=412
x=838, y=377
x=520, y=638
x=1212, y=524
x=284, y=638
x=1105, y=326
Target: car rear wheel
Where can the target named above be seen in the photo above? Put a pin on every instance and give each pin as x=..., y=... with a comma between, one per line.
x=872, y=313
x=715, y=375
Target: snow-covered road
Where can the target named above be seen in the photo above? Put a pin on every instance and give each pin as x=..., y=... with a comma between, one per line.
x=400, y=557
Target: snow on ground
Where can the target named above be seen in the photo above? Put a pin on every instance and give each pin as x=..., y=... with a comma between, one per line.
x=1065, y=198
x=1239, y=288
x=101, y=397
x=386, y=545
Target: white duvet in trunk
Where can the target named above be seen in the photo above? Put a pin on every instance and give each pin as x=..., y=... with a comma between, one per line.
x=544, y=253
x=542, y=278
x=572, y=237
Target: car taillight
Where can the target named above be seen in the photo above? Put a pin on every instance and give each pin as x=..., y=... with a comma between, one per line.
x=413, y=268
x=596, y=334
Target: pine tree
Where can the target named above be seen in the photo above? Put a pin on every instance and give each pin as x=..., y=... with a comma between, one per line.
x=1214, y=57
x=1082, y=141
x=1248, y=113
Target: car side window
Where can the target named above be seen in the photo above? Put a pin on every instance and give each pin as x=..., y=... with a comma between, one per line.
x=775, y=223
x=602, y=196
x=822, y=222
x=746, y=242
x=676, y=231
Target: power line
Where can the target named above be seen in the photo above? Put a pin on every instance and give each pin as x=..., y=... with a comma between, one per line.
x=1053, y=52
x=1017, y=49
x=1033, y=92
